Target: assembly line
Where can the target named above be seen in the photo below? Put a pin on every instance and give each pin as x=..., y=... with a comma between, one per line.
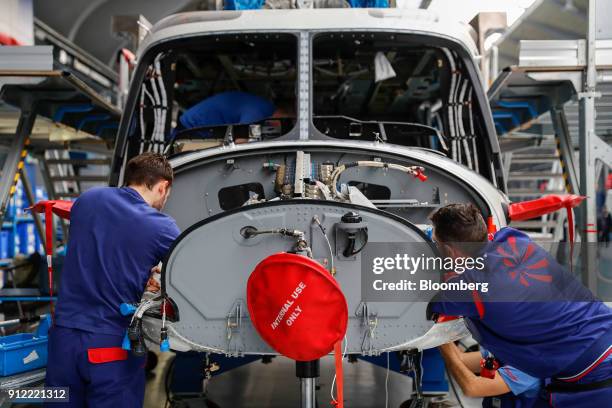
x=263, y=204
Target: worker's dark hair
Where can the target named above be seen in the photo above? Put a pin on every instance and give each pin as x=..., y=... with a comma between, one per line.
x=148, y=169
x=460, y=223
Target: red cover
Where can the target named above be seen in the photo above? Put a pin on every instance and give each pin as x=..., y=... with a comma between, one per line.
x=62, y=209
x=530, y=209
x=296, y=306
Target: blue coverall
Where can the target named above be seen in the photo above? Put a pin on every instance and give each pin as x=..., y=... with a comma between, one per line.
x=536, y=317
x=525, y=390
x=227, y=108
x=115, y=240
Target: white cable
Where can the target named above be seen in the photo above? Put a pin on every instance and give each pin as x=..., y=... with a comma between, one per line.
x=472, y=135
x=468, y=154
x=412, y=170
x=451, y=124
x=331, y=252
x=164, y=103
x=455, y=111
x=387, y=384
x=333, y=384
x=156, y=110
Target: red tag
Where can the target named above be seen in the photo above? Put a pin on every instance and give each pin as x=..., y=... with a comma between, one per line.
x=106, y=355
x=296, y=306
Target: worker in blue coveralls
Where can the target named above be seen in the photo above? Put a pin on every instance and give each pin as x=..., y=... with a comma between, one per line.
x=233, y=107
x=534, y=315
x=509, y=388
x=117, y=237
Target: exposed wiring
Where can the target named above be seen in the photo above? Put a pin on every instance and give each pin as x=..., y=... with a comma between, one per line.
x=317, y=221
x=415, y=171
x=387, y=384
x=468, y=154
x=333, y=384
x=472, y=135
x=450, y=107
x=164, y=102
x=143, y=129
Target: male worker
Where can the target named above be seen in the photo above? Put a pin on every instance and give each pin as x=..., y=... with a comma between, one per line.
x=509, y=388
x=117, y=235
x=533, y=316
x=231, y=108
x=226, y=108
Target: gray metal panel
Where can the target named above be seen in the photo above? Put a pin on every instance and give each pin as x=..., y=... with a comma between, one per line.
x=31, y=58
x=552, y=53
x=197, y=186
x=207, y=272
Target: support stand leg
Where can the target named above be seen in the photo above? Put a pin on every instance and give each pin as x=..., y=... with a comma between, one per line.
x=307, y=372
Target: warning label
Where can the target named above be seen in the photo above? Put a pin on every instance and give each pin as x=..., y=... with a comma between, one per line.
x=287, y=306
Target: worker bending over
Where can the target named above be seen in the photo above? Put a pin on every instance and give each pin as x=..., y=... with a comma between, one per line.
x=231, y=108
x=509, y=388
x=117, y=235
x=227, y=108
x=535, y=316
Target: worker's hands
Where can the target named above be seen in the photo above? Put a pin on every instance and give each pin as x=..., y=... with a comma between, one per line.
x=154, y=282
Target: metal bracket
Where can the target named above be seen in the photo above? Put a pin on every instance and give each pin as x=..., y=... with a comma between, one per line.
x=601, y=150
x=369, y=321
x=234, y=324
x=589, y=94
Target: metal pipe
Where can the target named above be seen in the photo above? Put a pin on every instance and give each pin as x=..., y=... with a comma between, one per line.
x=307, y=388
x=588, y=177
x=25, y=181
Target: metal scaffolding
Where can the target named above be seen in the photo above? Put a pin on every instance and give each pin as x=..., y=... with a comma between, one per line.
x=550, y=75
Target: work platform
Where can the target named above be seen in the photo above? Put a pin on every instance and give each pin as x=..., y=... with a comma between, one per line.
x=46, y=111
x=554, y=79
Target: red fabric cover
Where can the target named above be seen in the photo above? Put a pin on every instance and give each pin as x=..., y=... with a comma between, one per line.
x=445, y=318
x=61, y=208
x=296, y=306
x=534, y=208
x=6, y=39
x=106, y=355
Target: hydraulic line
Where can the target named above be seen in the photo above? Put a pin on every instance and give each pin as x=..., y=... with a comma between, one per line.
x=415, y=171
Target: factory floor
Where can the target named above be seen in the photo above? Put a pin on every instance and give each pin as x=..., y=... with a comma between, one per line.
x=275, y=386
